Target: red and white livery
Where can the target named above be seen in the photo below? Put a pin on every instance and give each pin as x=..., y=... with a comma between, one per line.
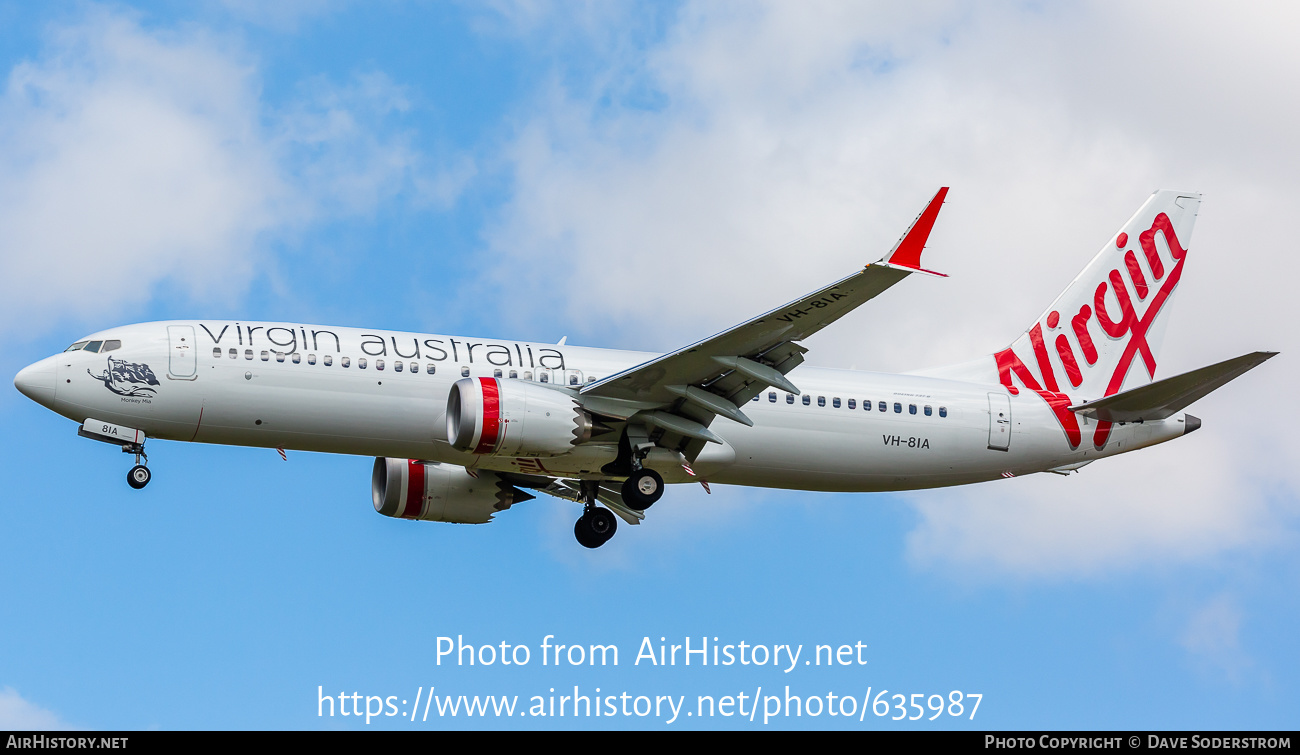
x=462, y=428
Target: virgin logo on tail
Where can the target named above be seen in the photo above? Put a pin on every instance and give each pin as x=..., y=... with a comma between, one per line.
x=1138, y=307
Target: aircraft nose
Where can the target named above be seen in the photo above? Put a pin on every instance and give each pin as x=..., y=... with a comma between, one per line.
x=37, y=381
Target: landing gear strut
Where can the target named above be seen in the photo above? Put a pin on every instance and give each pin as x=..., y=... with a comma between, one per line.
x=139, y=475
x=644, y=486
x=596, y=525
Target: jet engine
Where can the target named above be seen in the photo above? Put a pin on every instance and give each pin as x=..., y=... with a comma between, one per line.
x=410, y=489
x=499, y=417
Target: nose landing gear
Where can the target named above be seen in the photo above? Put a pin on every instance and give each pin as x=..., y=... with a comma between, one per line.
x=139, y=475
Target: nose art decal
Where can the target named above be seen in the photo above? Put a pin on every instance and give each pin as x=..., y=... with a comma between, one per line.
x=127, y=379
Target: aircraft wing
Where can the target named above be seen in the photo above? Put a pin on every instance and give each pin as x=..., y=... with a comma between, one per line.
x=681, y=392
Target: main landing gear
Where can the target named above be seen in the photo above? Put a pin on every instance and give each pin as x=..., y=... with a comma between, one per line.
x=642, y=489
x=596, y=525
x=139, y=475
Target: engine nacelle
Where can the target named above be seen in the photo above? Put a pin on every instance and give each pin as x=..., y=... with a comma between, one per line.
x=499, y=417
x=409, y=489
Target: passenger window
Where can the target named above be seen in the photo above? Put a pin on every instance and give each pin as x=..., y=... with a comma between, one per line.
x=216, y=352
x=591, y=379
x=464, y=372
x=943, y=411
x=755, y=398
x=234, y=353
x=397, y=367
x=266, y=355
x=329, y=360
x=898, y=408
x=544, y=377
x=279, y=356
x=379, y=364
x=361, y=363
x=771, y=397
x=248, y=353
x=928, y=410
x=528, y=375
x=807, y=399
x=297, y=358
x=496, y=373
x=882, y=406
x=345, y=362
x=311, y=359
x=93, y=346
x=911, y=408
x=866, y=406
x=415, y=367
x=853, y=403
x=789, y=398
x=821, y=401
x=111, y=346
x=431, y=368
x=514, y=374
x=573, y=379
x=835, y=402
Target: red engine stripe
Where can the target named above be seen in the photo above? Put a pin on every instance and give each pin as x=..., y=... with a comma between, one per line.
x=414, y=489
x=491, y=416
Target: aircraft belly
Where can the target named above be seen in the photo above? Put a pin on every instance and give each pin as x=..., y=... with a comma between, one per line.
x=584, y=461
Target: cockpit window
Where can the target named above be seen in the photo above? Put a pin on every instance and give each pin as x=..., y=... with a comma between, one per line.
x=93, y=346
x=110, y=346
x=78, y=346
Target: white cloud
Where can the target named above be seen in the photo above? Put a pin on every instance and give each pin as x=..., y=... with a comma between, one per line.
x=17, y=714
x=340, y=146
x=128, y=159
x=760, y=150
x=134, y=158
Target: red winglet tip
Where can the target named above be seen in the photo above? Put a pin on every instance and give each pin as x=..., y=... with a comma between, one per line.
x=908, y=251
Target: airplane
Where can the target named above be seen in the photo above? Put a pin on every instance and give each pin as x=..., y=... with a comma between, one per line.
x=464, y=428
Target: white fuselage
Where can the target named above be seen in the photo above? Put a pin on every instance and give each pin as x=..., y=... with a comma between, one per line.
x=303, y=387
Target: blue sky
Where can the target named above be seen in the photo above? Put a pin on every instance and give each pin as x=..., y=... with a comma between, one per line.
x=639, y=176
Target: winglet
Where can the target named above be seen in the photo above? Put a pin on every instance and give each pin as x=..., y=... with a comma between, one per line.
x=907, y=253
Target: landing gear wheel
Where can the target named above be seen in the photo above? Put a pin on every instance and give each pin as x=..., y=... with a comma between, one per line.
x=602, y=523
x=138, y=477
x=594, y=528
x=642, y=489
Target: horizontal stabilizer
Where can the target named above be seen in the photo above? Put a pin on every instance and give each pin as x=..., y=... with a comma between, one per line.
x=1167, y=397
